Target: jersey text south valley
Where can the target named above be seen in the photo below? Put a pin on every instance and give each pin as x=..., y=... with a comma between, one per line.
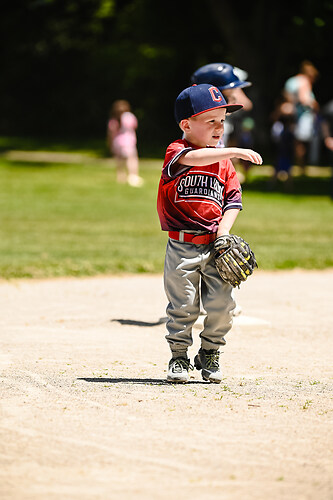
x=200, y=185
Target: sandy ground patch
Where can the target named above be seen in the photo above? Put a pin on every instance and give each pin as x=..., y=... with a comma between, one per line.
x=86, y=412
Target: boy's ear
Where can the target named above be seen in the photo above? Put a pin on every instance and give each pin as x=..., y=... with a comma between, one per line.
x=184, y=125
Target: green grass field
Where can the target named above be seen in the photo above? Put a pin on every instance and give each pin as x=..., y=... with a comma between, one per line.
x=72, y=219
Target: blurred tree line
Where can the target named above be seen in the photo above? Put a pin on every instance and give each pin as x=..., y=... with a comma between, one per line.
x=65, y=61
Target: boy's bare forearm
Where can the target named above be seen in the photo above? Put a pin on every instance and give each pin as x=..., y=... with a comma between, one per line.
x=205, y=156
x=227, y=221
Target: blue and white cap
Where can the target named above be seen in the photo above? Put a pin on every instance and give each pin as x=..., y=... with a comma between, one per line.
x=222, y=75
x=201, y=98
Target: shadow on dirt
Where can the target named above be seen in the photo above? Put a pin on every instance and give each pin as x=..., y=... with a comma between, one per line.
x=144, y=381
x=139, y=323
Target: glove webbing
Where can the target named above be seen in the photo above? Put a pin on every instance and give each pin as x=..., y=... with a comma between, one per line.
x=233, y=267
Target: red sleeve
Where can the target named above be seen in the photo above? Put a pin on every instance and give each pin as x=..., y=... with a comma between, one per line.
x=174, y=151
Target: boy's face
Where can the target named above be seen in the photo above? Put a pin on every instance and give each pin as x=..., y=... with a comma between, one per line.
x=238, y=96
x=205, y=129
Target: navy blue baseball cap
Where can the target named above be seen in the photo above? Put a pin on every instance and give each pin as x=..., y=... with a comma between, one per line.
x=222, y=75
x=200, y=98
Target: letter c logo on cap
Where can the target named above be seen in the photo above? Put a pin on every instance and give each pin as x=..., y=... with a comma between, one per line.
x=215, y=93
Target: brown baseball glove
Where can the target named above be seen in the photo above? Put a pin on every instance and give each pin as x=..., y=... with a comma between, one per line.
x=234, y=259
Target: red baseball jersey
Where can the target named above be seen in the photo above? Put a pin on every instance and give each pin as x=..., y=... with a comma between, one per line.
x=196, y=197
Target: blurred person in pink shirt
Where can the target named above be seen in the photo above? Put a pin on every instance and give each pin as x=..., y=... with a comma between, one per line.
x=121, y=138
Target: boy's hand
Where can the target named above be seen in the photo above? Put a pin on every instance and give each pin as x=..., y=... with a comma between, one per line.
x=249, y=155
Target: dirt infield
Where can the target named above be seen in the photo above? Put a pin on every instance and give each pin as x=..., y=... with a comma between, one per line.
x=86, y=412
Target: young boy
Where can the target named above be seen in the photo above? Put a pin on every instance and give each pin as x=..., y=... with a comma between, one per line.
x=199, y=199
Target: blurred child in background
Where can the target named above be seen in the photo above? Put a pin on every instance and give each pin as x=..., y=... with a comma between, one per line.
x=238, y=129
x=121, y=138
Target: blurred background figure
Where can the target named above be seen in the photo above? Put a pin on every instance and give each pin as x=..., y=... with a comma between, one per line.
x=298, y=91
x=238, y=127
x=282, y=136
x=327, y=134
x=230, y=81
x=122, y=143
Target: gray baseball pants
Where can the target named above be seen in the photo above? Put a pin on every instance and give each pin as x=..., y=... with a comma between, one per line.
x=186, y=265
